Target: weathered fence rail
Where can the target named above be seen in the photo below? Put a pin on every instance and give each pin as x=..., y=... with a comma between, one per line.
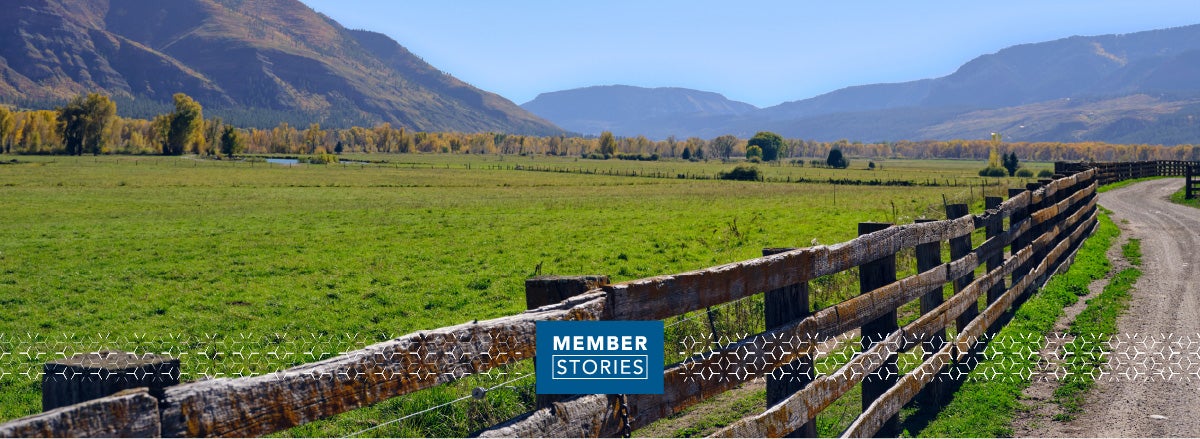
x=1046, y=222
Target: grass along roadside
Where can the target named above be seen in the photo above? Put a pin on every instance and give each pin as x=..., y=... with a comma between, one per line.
x=986, y=403
x=1127, y=182
x=1092, y=329
x=1177, y=198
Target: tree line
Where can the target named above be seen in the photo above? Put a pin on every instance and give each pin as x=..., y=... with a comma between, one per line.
x=88, y=125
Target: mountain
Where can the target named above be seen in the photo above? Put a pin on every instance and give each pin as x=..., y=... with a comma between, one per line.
x=654, y=112
x=1132, y=88
x=259, y=61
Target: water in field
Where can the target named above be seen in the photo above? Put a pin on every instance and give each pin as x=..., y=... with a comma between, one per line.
x=283, y=161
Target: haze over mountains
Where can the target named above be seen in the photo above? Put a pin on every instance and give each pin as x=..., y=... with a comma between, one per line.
x=1134, y=88
x=255, y=62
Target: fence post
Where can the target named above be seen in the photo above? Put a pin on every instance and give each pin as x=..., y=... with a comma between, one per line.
x=545, y=290
x=993, y=228
x=781, y=306
x=1021, y=241
x=1035, y=232
x=84, y=377
x=929, y=256
x=960, y=247
x=873, y=275
x=1187, y=183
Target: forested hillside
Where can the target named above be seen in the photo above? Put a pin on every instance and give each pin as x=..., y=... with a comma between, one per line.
x=256, y=63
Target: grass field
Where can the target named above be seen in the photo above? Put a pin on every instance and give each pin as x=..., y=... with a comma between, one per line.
x=200, y=259
x=1178, y=198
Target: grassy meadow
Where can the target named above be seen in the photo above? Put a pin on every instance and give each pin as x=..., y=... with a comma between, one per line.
x=243, y=268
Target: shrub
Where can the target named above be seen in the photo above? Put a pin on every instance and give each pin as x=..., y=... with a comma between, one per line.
x=753, y=152
x=1024, y=173
x=741, y=173
x=638, y=157
x=1045, y=173
x=323, y=159
x=993, y=171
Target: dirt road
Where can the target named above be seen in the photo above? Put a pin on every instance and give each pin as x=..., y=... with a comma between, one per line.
x=1156, y=387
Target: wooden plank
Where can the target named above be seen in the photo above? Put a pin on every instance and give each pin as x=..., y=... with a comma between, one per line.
x=1017, y=201
x=660, y=297
x=580, y=416
x=265, y=404
x=129, y=413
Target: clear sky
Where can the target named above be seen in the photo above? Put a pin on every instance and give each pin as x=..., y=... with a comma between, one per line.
x=761, y=52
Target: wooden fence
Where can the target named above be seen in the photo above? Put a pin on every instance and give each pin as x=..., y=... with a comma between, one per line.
x=1109, y=172
x=1045, y=224
x=1191, y=183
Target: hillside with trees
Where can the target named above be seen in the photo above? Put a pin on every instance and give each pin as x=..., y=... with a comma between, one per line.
x=87, y=125
x=253, y=63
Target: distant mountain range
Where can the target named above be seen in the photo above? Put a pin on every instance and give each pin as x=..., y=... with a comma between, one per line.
x=1133, y=88
x=259, y=62
x=653, y=112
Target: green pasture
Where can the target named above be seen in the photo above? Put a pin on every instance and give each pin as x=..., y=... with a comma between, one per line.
x=222, y=262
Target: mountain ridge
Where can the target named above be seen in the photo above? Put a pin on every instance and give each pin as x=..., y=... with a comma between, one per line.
x=277, y=56
x=1129, y=80
x=591, y=110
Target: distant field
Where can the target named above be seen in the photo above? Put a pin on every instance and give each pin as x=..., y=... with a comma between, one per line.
x=200, y=259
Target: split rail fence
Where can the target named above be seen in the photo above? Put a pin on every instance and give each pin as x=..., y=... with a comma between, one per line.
x=1046, y=222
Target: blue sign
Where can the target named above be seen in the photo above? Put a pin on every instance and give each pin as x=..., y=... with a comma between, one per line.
x=580, y=357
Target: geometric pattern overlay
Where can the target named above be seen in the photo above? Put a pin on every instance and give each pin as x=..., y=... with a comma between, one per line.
x=1057, y=357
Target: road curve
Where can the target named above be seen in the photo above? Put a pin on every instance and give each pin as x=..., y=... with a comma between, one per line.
x=1163, y=316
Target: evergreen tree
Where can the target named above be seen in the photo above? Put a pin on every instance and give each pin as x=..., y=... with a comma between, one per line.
x=836, y=159
x=1011, y=164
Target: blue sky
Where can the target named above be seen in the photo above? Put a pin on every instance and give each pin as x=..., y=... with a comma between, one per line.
x=761, y=52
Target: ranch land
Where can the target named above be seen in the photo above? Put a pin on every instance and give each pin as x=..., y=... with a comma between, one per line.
x=248, y=267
